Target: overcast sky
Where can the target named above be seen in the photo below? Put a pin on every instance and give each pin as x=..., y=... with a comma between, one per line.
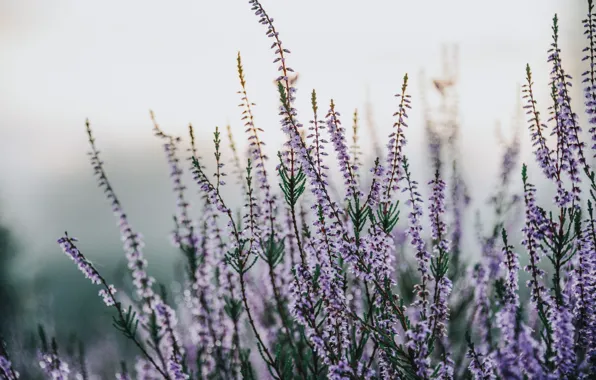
x=111, y=61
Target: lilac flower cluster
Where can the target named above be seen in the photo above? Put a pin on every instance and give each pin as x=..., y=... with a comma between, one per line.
x=331, y=283
x=54, y=368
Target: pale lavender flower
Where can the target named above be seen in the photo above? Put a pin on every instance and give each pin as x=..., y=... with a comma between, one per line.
x=566, y=160
x=214, y=270
x=532, y=236
x=175, y=368
x=583, y=285
x=508, y=354
x=506, y=318
x=563, y=333
x=338, y=138
x=511, y=266
x=377, y=254
x=446, y=367
x=199, y=294
x=415, y=233
x=67, y=244
x=482, y=367
x=108, y=295
x=417, y=334
x=53, y=366
x=530, y=352
x=6, y=369
x=439, y=310
x=340, y=371
x=327, y=245
x=385, y=368
x=205, y=185
x=416, y=341
x=302, y=307
x=378, y=172
x=436, y=209
x=170, y=342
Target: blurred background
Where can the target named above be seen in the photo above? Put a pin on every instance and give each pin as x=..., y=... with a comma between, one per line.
x=111, y=61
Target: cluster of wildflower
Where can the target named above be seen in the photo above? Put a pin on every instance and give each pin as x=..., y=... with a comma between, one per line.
x=328, y=283
x=50, y=362
x=54, y=368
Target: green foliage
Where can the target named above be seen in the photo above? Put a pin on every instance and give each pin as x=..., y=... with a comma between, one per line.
x=387, y=216
x=293, y=182
x=273, y=251
x=127, y=322
x=233, y=308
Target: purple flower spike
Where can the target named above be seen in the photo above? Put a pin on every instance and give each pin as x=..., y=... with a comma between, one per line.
x=67, y=244
x=338, y=138
x=564, y=342
x=133, y=243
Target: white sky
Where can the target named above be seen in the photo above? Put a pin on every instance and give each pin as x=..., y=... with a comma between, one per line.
x=65, y=60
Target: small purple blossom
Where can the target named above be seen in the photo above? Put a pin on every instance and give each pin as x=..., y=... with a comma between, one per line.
x=415, y=233
x=108, y=295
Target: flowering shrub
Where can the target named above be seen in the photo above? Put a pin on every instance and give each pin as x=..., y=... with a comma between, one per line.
x=303, y=283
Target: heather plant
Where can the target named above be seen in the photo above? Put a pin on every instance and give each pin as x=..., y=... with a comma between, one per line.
x=313, y=280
